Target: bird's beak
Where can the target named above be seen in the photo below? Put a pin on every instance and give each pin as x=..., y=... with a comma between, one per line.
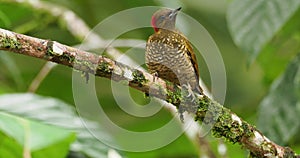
x=174, y=12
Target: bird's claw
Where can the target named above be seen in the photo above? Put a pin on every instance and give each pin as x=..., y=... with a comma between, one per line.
x=182, y=108
x=155, y=75
x=190, y=92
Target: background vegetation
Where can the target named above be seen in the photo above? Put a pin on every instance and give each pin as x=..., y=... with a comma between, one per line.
x=259, y=42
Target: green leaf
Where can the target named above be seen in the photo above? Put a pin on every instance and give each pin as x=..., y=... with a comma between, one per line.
x=21, y=136
x=281, y=49
x=253, y=24
x=9, y=148
x=55, y=112
x=279, y=111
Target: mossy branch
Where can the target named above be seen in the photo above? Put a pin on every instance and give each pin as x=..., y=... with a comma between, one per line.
x=224, y=123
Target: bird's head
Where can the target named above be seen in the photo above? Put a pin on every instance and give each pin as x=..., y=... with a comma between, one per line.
x=165, y=19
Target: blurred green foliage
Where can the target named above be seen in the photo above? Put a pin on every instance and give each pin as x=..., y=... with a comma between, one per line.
x=246, y=85
x=25, y=133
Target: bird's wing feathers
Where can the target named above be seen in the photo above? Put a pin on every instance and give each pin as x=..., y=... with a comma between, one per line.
x=193, y=58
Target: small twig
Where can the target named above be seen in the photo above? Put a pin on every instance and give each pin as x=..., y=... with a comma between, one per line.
x=41, y=76
x=205, y=148
x=224, y=123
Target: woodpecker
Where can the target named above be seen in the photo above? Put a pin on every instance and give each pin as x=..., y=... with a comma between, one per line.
x=169, y=54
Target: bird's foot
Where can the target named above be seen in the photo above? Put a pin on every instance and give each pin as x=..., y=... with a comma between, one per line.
x=190, y=92
x=190, y=98
x=85, y=74
x=181, y=111
x=155, y=76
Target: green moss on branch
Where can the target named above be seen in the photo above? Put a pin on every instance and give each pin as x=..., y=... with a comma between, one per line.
x=9, y=43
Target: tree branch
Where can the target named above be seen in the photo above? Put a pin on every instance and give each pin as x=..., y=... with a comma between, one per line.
x=224, y=123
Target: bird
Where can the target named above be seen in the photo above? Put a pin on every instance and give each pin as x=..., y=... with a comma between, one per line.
x=169, y=54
